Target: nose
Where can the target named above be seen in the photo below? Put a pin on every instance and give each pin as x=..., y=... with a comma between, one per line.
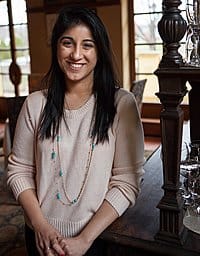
x=76, y=53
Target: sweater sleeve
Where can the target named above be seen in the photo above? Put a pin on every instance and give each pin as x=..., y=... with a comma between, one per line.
x=128, y=162
x=21, y=162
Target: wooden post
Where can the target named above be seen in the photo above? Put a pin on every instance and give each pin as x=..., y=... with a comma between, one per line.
x=172, y=28
x=172, y=89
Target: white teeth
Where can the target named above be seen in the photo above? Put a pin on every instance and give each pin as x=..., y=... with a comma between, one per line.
x=76, y=65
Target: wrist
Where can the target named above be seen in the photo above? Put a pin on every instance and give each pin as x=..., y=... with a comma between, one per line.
x=86, y=239
x=38, y=222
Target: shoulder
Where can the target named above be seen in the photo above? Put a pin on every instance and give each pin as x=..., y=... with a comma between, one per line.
x=124, y=98
x=36, y=97
x=36, y=100
x=34, y=104
x=127, y=114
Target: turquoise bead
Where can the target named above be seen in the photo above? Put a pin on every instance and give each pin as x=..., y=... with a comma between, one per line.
x=74, y=201
x=60, y=173
x=58, y=196
x=53, y=155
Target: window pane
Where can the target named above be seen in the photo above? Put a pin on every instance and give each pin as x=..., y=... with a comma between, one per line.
x=148, y=44
x=7, y=87
x=24, y=85
x=3, y=13
x=182, y=6
x=23, y=61
x=147, y=61
x=4, y=37
x=154, y=48
x=19, y=11
x=143, y=6
x=21, y=36
x=5, y=60
x=146, y=30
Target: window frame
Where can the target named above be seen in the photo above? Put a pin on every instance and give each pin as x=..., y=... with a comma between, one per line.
x=15, y=73
x=150, y=110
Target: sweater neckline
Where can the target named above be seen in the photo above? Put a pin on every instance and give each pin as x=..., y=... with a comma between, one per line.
x=84, y=108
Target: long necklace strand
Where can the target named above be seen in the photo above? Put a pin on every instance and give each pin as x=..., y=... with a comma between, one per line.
x=60, y=172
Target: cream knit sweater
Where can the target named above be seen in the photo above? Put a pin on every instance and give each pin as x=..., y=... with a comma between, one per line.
x=115, y=170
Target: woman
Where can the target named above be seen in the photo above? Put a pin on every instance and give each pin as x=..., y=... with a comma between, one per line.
x=77, y=159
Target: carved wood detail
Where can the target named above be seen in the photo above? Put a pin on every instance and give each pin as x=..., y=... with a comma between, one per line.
x=171, y=205
x=172, y=28
x=172, y=89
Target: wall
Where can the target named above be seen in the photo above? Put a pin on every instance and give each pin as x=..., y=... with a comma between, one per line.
x=111, y=17
x=126, y=51
x=39, y=48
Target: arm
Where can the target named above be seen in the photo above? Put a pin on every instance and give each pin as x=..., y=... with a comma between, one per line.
x=78, y=245
x=46, y=235
x=105, y=216
x=22, y=173
x=127, y=171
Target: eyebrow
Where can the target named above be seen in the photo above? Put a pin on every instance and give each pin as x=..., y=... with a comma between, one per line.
x=69, y=37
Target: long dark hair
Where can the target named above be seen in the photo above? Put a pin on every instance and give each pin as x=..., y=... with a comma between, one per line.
x=105, y=79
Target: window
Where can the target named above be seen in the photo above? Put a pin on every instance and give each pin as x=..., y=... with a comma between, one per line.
x=148, y=44
x=20, y=50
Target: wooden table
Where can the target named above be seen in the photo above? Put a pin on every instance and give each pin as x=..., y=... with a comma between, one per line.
x=134, y=233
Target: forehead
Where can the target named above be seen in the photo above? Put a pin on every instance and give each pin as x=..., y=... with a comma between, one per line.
x=79, y=30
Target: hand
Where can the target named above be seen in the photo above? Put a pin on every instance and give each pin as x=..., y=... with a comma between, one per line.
x=75, y=246
x=47, y=240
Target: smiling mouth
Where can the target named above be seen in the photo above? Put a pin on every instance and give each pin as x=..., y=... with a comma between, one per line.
x=75, y=66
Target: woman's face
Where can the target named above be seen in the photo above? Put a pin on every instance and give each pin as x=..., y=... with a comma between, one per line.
x=77, y=54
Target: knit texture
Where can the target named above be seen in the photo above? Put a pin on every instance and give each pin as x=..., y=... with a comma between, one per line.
x=115, y=170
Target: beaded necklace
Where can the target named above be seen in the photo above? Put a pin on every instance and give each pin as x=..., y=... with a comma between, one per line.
x=55, y=156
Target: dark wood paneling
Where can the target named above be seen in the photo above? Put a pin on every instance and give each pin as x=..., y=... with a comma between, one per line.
x=53, y=6
x=3, y=109
x=152, y=110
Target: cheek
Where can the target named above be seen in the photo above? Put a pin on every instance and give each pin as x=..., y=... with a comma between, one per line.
x=61, y=55
x=93, y=58
x=62, y=52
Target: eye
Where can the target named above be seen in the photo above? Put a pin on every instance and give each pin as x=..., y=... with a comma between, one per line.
x=66, y=43
x=88, y=45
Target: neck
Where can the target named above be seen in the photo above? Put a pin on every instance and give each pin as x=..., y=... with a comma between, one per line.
x=77, y=94
x=79, y=88
x=76, y=99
